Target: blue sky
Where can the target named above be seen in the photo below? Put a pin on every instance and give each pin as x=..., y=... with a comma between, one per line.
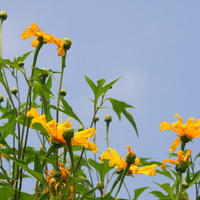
x=152, y=45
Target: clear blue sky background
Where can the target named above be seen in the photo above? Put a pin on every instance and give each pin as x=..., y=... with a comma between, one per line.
x=152, y=45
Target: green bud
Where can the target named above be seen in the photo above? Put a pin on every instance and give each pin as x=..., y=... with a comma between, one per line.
x=21, y=64
x=1, y=98
x=14, y=91
x=57, y=174
x=100, y=185
x=42, y=148
x=3, y=15
x=130, y=157
x=182, y=167
x=44, y=73
x=68, y=133
x=185, y=185
x=66, y=43
x=63, y=92
x=80, y=128
x=108, y=118
x=96, y=118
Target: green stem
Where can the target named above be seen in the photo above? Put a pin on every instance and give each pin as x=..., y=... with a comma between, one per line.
x=107, y=133
x=69, y=146
x=63, y=65
x=116, y=181
x=122, y=177
x=183, y=146
x=28, y=107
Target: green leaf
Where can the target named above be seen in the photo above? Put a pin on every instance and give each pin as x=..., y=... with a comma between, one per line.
x=195, y=178
x=67, y=109
x=108, y=197
x=120, y=107
x=160, y=195
x=6, y=193
x=138, y=192
x=102, y=168
x=100, y=88
x=167, y=188
x=24, y=166
x=89, y=193
x=25, y=196
x=165, y=173
x=41, y=90
x=37, y=164
x=3, y=176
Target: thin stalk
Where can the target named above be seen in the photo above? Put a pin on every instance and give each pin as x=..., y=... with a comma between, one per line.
x=122, y=177
x=63, y=65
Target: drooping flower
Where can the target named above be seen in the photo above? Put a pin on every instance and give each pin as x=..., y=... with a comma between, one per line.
x=34, y=30
x=118, y=162
x=182, y=161
x=56, y=130
x=54, y=178
x=186, y=132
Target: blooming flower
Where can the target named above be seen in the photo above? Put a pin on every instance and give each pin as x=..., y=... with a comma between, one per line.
x=55, y=131
x=182, y=162
x=53, y=180
x=119, y=163
x=186, y=132
x=34, y=30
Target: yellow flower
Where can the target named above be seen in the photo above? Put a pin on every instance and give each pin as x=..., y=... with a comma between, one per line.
x=34, y=30
x=181, y=162
x=53, y=180
x=186, y=132
x=55, y=131
x=119, y=163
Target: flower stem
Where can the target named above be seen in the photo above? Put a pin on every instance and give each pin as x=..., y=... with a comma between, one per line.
x=122, y=177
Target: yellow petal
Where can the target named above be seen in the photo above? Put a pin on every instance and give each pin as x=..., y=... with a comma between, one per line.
x=33, y=113
x=166, y=125
x=175, y=144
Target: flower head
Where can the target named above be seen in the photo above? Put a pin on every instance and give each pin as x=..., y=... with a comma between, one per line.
x=54, y=178
x=119, y=162
x=181, y=163
x=34, y=30
x=56, y=130
x=186, y=132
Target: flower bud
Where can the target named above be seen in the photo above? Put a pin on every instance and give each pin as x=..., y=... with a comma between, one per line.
x=57, y=174
x=182, y=167
x=185, y=185
x=63, y=92
x=108, y=118
x=14, y=91
x=66, y=43
x=80, y=128
x=1, y=98
x=130, y=157
x=3, y=15
x=44, y=73
x=96, y=118
x=68, y=133
x=100, y=185
x=21, y=64
x=42, y=148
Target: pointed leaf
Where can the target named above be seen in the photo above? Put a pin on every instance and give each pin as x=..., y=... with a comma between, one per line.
x=120, y=107
x=102, y=168
x=138, y=192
